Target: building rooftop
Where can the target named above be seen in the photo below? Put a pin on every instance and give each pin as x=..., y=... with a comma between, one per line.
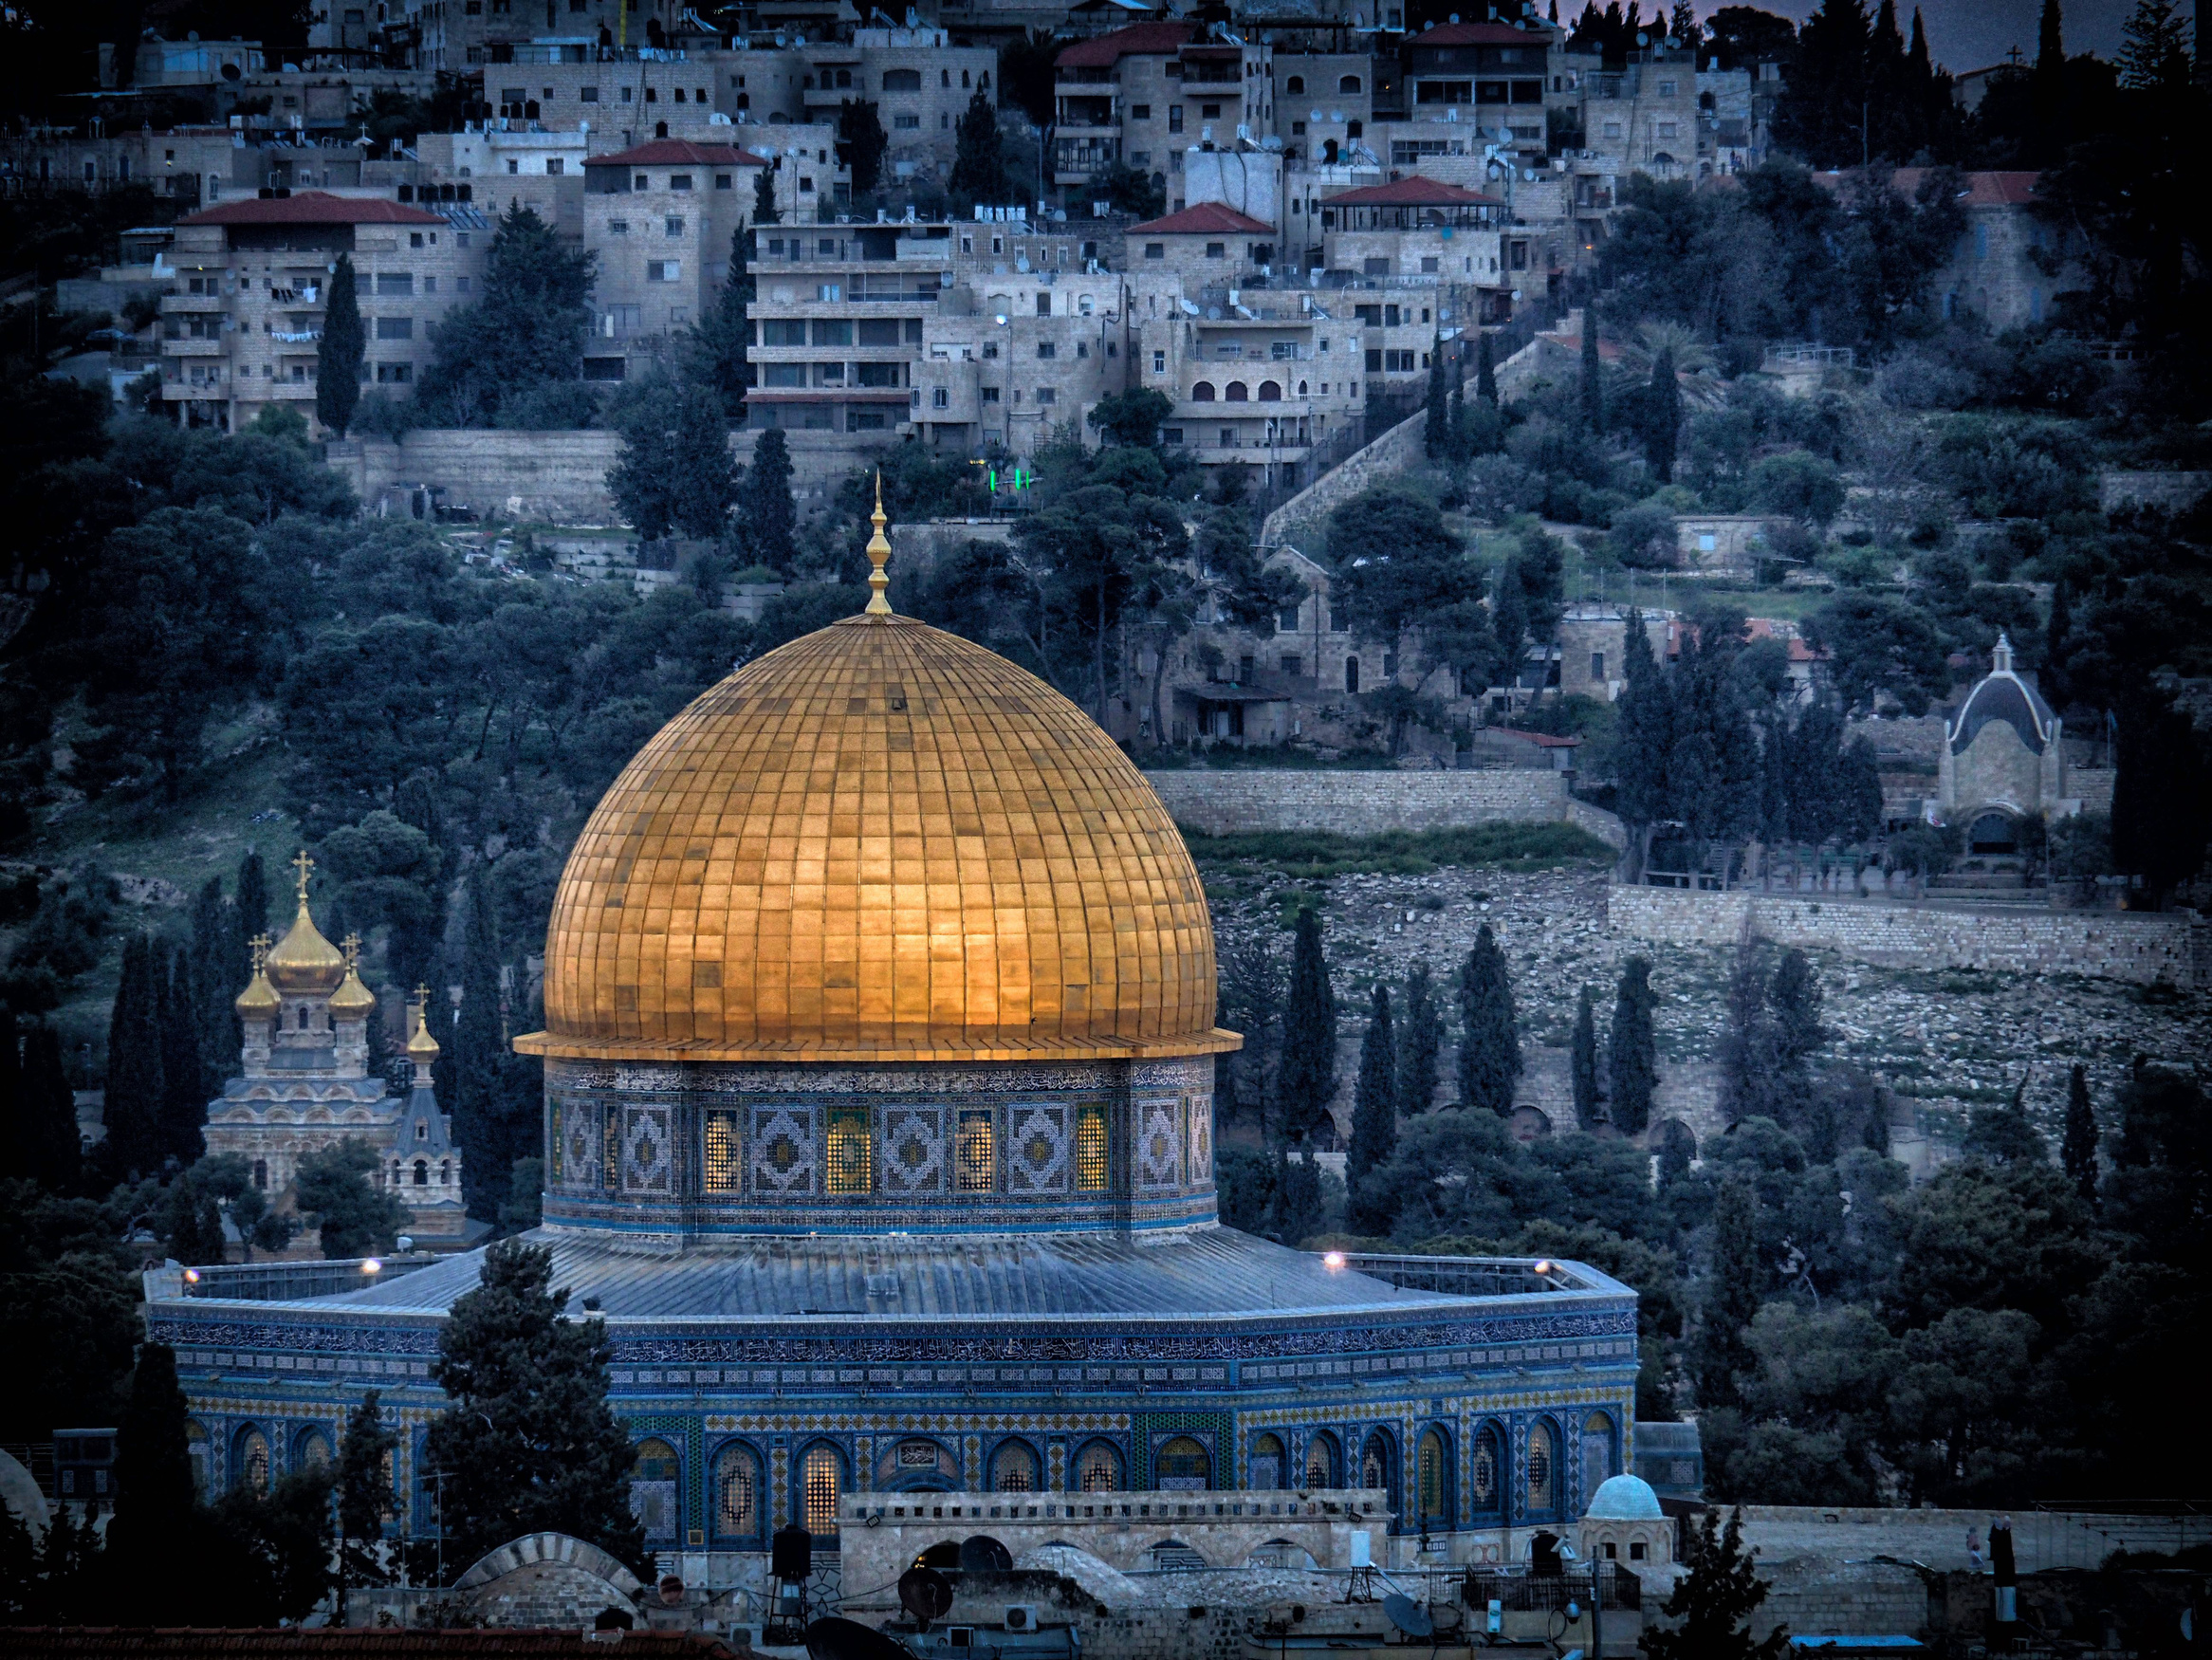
x=1207, y=218
x=1411, y=192
x=675, y=152
x=1480, y=34
x=1104, y=51
x=313, y=207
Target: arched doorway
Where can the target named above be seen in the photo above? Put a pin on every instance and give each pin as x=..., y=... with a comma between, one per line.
x=1994, y=834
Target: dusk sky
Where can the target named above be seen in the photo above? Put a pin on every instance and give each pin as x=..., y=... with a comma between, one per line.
x=1972, y=34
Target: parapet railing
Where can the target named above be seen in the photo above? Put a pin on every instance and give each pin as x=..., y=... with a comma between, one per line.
x=1463, y=1276
x=1319, y=1505
x=278, y=1281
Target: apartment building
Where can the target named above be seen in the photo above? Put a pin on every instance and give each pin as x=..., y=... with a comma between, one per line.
x=503, y=168
x=1642, y=117
x=659, y=217
x=920, y=82
x=1142, y=95
x=1205, y=245
x=1324, y=102
x=840, y=312
x=1491, y=76
x=241, y=329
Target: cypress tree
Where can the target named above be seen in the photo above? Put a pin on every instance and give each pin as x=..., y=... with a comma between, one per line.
x=1374, y=1100
x=49, y=1111
x=193, y=1224
x=155, y=1497
x=1751, y=1084
x=721, y=338
x=1645, y=731
x=1734, y=1279
x=251, y=911
x=2047, y=83
x=1307, y=1079
x=1593, y=387
x=1582, y=1063
x=338, y=354
x=2057, y=631
x=1459, y=444
x=979, y=168
x=184, y=1108
x=1420, y=1042
x=766, y=513
x=136, y=1088
x=479, y=1042
x=367, y=1499
x=2077, y=1149
x=1633, y=1050
x=218, y=976
x=1436, y=432
x=1485, y=371
x=1662, y=415
x=1298, y=1211
x=18, y=1129
x=1489, y=1051
x=764, y=197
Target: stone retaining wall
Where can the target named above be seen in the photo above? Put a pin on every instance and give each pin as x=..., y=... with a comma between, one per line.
x=2175, y=947
x=1362, y=804
x=1937, y=1539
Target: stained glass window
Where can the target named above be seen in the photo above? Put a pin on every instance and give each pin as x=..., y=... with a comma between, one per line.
x=852, y=1150
x=1431, y=1478
x=1182, y=1466
x=975, y=1150
x=1482, y=1472
x=1013, y=1469
x=1091, y=1148
x=254, y=1461
x=553, y=1144
x=817, y=1476
x=722, y=1152
x=1540, y=1468
x=1098, y=1468
x=1322, y=1461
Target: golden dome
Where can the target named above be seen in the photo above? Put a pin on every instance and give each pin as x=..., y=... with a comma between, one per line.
x=352, y=998
x=420, y=1044
x=258, y=1001
x=304, y=962
x=880, y=843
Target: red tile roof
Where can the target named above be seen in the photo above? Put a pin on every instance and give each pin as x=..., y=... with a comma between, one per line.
x=1411, y=192
x=1207, y=218
x=1541, y=739
x=664, y=152
x=1104, y=51
x=1480, y=34
x=312, y=208
x=183, y=1643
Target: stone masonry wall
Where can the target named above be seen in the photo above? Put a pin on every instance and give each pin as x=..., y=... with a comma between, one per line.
x=1360, y=804
x=2144, y=948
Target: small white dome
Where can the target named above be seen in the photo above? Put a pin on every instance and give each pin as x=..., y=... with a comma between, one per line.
x=1623, y=1499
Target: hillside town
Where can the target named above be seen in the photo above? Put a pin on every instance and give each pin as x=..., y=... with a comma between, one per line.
x=1127, y=828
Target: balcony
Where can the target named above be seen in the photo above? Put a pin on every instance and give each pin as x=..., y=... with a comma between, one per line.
x=196, y=348
x=177, y=303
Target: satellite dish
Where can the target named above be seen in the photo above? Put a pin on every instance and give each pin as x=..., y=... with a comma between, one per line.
x=1315, y=115
x=982, y=1554
x=1407, y=1616
x=846, y=1639
x=925, y=1594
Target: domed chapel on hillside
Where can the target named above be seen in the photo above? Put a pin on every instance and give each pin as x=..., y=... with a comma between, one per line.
x=879, y=1128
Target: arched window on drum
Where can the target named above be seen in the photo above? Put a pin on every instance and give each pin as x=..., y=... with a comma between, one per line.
x=1542, y=1495
x=653, y=1490
x=1098, y=1468
x=1598, y=1455
x=1323, y=1462
x=1014, y=1468
x=1266, y=1465
x=821, y=1481
x=737, y=1494
x=250, y=1461
x=1432, y=1482
x=1182, y=1466
x=1484, y=1494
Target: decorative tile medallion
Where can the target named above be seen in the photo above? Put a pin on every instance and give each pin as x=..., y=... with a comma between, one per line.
x=783, y=1151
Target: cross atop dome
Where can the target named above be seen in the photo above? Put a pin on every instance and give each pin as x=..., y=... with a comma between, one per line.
x=306, y=867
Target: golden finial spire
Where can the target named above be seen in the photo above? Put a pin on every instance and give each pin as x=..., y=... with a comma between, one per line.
x=421, y=1047
x=259, y=944
x=303, y=865
x=878, y=556
x=352, y=949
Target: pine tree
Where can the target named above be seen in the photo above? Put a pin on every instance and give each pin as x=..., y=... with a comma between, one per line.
x=49, y=1111
x=1307, y=1081
x=1593, y=387
x=1489, y=1051
x=1298, y=1211
x=1420, y=1043
x=1582, y=1063
x=1436, y=431
x=352, y=1216
x=1485, y=371
x=2078, y=1151
x=766, y=514
x=979, y=167
x=338, y=354
x=1734, y=1279
x=218, y=976
x=2154, y=47
x=1662, y=415
x=1374, y=1100
x=720, y=340
x=1632, y=1049
x=136, y=1088
x=1710, y=1608
x=764, y=199
x=479, y=1124
x=184, y=1108
x=528, y=1443
x=154, y=1501
x=365, y=1496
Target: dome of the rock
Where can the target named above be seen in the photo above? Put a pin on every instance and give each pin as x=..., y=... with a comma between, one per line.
x=882, y=841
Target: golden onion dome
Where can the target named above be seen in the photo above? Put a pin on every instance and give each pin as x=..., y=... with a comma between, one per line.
x=352, y=1000
x=420, y=1044
x=303, y=960
x=880, y=842
x=258, y=1001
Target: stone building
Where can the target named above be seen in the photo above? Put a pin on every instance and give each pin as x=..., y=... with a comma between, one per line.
x=1997, y=271
x=1141, y=96
x=241, y=327
x=307, y=1082
x=881, y=1138
x=660, y=218
x=2003, y=760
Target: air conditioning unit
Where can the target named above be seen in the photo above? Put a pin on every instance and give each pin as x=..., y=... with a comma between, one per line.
x=1021, y=1616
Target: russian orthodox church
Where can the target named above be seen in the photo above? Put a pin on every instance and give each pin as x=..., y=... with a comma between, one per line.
x=2003, y=759
x=305, y=1081
x=879, y=1130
